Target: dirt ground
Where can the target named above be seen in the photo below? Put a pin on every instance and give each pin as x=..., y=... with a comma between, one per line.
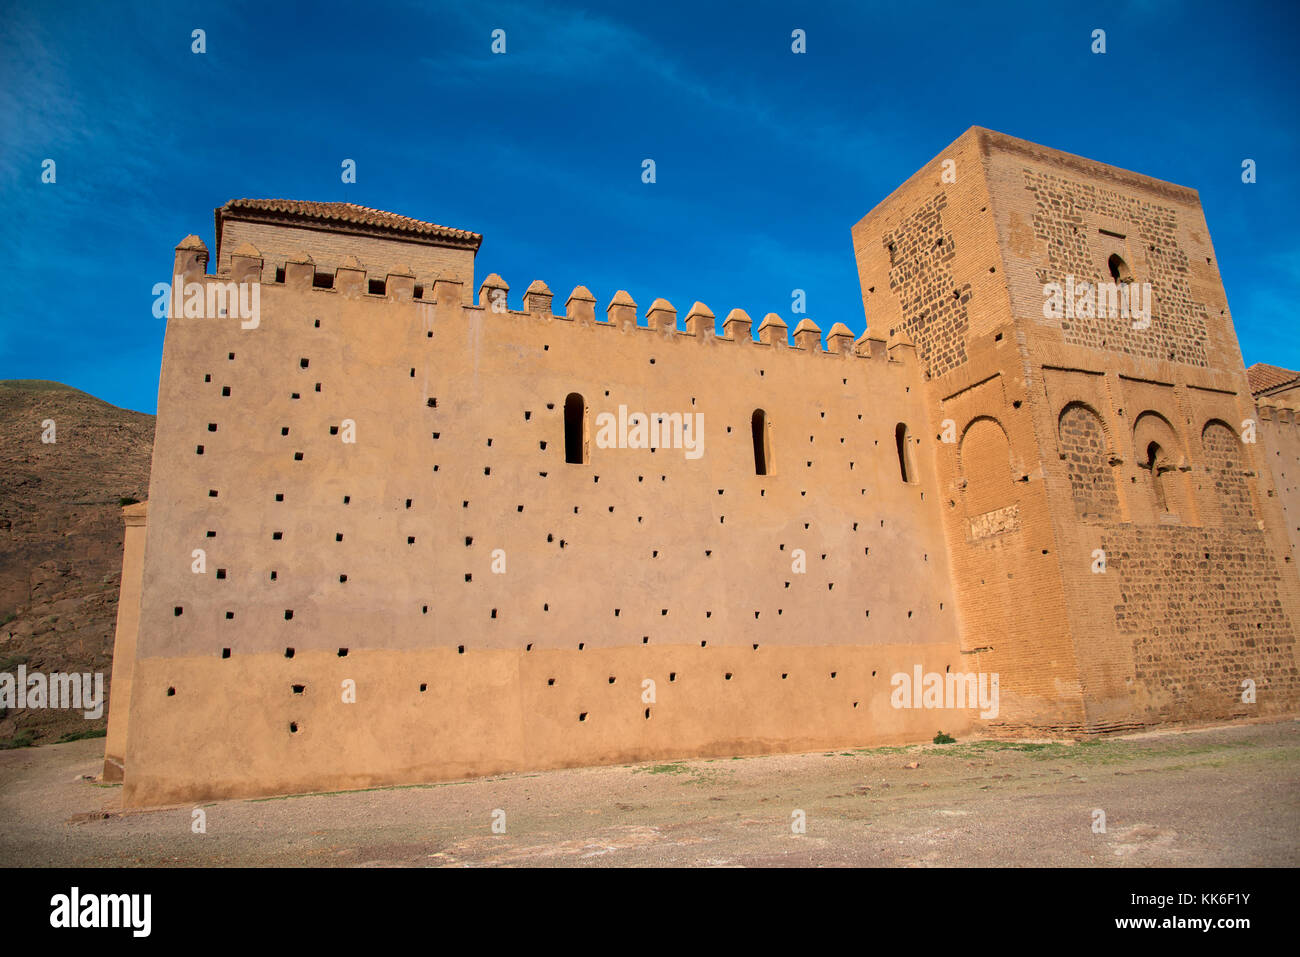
x=1223, y=796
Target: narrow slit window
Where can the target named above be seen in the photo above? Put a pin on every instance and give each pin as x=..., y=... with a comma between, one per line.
x=575, y=428
x=902, y=440
x=762, y=451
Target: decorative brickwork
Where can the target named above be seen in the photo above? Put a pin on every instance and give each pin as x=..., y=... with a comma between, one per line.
x=1226, y=466
x=1065, y=221
x=934, y=307
x=1083, y=446
x=1203, y=610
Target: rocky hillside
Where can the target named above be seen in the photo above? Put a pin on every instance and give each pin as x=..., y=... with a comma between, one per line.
x=61, y=537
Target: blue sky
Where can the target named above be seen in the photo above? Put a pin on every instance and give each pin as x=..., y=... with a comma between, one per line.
x=765, y=159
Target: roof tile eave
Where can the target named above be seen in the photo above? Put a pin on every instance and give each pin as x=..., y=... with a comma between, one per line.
x=352, y=213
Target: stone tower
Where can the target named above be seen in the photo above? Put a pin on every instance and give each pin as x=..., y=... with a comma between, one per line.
x=1118, y=547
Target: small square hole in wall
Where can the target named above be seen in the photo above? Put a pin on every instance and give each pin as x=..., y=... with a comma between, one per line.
x=299, y=689
x=279, y=496
x=274, y=575
x=178, y=611
x=342, y=579
x=346, y=499
x=225, y=652
x=338, y=536
x=279, y=275
x=294, y=395
x=334, y=430
x=317, y=324
x=317, y=386
x=376, y=287
x=297, y=456
x=225, y=390
x=432, y=403
x=171, y=692
x=460, y=649
x=288, y=614
x=410, y=539
x=343, y=652
x=207, y=378
x=303, y=363
x=550, y=682
x=408, y=503
x=288, y=652
x=211, y=534
x=412, y=373
x=198, y=450
x=212, y=493
x=221, y=573
x=429, y=334
x=212, y=426
x=284, y=430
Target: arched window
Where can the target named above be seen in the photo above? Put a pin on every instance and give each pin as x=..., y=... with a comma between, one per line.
x=762, y=446
x=1159, y=450
x=901, y=442
x=575, y=429
x=1157, y=463
x=1119, y=270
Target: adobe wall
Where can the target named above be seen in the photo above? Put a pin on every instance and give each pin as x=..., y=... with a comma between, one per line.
x=1279, y=440
x=124, y=639
x=280, y=243
x=636, y=565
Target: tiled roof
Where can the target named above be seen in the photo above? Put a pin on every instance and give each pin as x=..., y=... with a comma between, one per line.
x=353, y=214
x=1264, y=378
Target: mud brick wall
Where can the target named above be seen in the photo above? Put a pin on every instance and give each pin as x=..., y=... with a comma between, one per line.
x=1203, y=610
x=1279, y=442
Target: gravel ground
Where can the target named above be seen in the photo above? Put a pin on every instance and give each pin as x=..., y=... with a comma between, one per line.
x=1219, y=796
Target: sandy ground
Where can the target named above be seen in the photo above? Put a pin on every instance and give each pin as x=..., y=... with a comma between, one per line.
x=1225, y=796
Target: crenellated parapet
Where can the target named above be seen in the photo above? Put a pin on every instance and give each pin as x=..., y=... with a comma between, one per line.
x=352, y=279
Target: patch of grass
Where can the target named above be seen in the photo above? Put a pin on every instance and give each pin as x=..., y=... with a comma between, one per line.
x=81, y=735
x=665, y=769
x=12, y=662
x=942, y=738
x=23, y=739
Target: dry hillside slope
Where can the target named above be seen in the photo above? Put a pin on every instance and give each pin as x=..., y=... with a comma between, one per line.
x=61, y=537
